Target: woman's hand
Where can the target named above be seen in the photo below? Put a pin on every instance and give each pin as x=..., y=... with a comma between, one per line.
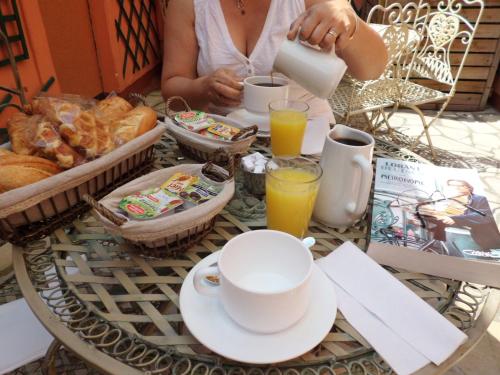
x=223, y=88
x=326, y=24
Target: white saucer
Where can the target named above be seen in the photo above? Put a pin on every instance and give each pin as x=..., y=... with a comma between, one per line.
x=208, y=323
x=251, y=118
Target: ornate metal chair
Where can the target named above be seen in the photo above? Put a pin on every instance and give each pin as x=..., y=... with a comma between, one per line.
x=401, y=28
x=445, y=27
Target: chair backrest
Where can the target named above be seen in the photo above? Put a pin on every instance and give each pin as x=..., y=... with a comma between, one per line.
x=445, y=30
x=403, y=33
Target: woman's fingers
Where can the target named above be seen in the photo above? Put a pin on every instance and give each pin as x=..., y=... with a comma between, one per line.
x=309, y=23
x=229, y=78
x=225, y=88
x=326, y=24
x=320, y=34
x=226, y=91
x=295, y=26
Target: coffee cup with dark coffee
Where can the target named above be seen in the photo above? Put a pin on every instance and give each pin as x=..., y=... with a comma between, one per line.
x=259, y=91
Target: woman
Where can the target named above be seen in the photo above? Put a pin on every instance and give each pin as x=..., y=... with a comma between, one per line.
x=211, y=45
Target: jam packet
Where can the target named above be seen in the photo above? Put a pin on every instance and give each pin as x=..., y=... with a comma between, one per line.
x=200, y=191
x=149, y=204
x=221, y=131
x=179, y=182
x=193, y=120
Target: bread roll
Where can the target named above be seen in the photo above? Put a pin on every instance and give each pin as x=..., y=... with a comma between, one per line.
x=29, y=161
x=112, y=108
x=5, y=152
x=22, y=130
x=134, y=123
x=15, y=176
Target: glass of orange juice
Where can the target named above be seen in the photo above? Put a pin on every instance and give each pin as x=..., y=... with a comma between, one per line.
x=288, y=124
x=291, y=187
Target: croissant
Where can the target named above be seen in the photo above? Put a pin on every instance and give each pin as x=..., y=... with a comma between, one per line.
x=81, y=133
x=56, y=110
x=51, y=145
x=133, y=124
x=22, y=129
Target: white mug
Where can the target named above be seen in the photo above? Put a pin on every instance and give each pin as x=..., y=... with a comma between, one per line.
x=257, y=98
x=347, y=177
x=263, y=279
x=317, y=71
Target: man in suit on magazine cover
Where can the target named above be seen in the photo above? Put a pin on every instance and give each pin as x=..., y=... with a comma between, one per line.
x=467, y=212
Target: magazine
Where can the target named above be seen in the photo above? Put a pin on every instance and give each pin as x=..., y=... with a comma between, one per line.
x=434, y=220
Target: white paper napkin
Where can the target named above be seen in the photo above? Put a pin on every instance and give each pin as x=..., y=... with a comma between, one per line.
x=401, y=356
x=23, y=338
x=392, y=303
x=314, y=137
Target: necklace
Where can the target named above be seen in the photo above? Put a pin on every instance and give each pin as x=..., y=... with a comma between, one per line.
x=240, y=4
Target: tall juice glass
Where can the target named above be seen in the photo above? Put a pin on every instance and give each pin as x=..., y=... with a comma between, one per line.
x=291, y=187
x=288, y=124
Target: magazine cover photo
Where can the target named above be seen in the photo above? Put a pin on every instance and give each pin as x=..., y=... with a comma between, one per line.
x=433, y=209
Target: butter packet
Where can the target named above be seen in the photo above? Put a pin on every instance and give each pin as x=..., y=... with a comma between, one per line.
x=222, y=130
x=179, y=182
x=200, y=192
x=193, y=120
x=149, y=204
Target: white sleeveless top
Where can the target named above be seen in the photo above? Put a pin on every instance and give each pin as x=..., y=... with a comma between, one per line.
x=216, y=48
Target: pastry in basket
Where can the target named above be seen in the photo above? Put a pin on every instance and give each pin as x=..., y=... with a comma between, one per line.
x=20, y=170
x=58, y=110
x=133, y=124
x=14, y=176
x=81, y=133
x=22, y=130
x=52, y=146
x=12, y=159
x=107, y=111
x=105, y=143
x=112, y=108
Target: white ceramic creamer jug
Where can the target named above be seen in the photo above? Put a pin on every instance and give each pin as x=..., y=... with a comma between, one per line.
x=316, y=71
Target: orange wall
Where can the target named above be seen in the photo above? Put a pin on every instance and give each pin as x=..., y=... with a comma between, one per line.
x=69, y=31
x=39, y=67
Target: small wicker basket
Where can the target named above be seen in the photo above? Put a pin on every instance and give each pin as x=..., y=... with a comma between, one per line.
x=168, y=235
x=202, y=148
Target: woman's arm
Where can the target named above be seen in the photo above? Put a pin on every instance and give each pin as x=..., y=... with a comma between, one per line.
x=180, y=56
x=362, y=49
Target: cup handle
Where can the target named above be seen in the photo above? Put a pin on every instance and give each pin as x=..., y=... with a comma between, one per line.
x=202, y=285
x=357, y=208
x=309, y=242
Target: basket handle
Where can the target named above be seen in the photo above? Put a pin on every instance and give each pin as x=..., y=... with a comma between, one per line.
x=169, y=111
x=245, y=133
x=229, y=167
x=138, y=98
x=104, y=211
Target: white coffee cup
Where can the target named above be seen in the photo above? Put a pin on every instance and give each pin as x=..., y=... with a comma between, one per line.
x=264, y=279
x=317, y=71
x=257, y=98
x=347, y=177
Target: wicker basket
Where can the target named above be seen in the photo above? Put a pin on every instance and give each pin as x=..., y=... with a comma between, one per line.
x=34, y=211
x=172, y=234
x=202, y=148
